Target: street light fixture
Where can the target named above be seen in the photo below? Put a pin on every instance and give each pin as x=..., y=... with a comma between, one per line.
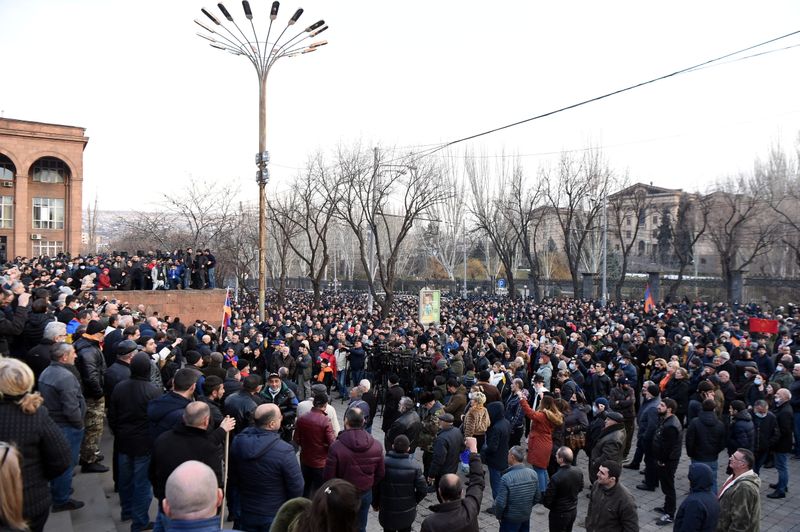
x=263, y=54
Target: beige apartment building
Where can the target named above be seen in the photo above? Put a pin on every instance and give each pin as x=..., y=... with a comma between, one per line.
x=41, y=183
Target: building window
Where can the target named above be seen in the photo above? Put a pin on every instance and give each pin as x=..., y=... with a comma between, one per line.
x=627, y=234
x=6, y=212
x=655, y=220
x=50, y=170
x=7, y=169
x=48, y=213
x=627, y=221
x=50, y=248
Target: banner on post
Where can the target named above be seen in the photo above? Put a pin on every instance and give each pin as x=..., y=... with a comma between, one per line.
x=429, y=301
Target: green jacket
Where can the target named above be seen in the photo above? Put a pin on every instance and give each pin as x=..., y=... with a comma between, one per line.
x=430, y=426
x=740, y=505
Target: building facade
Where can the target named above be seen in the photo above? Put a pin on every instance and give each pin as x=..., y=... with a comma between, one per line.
x=41, y=185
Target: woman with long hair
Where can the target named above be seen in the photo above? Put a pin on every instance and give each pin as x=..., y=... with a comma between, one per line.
x=540, y=440
x=11, y=489
x=44, y=449
x=334, y=508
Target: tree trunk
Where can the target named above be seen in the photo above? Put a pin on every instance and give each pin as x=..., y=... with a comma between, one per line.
x=534, y=280
x=576, y=285
x=673, y=290
x=315, y=284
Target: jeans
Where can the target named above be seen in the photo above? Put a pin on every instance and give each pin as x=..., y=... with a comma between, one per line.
x=341, y=382
x=162, y=522
x=508, y=526
x=561, y=522
x=638, y=455
x=782, y=465
x=666, y=476
x=212, y=280
x=363, y=511
x=714, y=470
x=313, y=478
x=255, y=523
x=62, y=484
x=761, y=459
x=356, y=376
x=494, y=480
x=135, y=491
x=541, y=475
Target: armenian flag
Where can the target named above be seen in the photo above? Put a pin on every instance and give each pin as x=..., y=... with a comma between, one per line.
x=226, y=310
x=649, y=304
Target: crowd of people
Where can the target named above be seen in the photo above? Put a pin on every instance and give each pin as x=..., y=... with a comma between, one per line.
x=175, y=270
x=515, y=389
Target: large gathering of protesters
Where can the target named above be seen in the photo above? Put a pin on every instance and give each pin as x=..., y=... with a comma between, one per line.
x=238, y=420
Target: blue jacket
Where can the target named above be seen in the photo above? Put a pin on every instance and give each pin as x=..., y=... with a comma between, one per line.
x=518, y=494
x=648, y=420
x=699, y=512
x=165, y=413
x=495, y=451
x=265, y=471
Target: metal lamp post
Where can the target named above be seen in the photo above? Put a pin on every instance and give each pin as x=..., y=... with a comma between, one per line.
x=263, y=55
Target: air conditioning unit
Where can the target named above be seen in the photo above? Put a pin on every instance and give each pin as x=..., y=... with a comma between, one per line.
x=8, y=184
x=36, y=237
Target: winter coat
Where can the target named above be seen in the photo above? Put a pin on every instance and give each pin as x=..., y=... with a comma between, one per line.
x=38, y=358
x=741, y=432
x=128, y=415
x=460, y=515
x=476, y=421
x=786, y=426
x=241, y=406
x=60, y=386
x=495, y=450
x=705, y=437
x=623, y=401
x=540, y=438
x=92, y=366
x=562, y=491
x=409, y=424
x=740, y=504
x=11, y=326
x=514, y=413
x=699, y=511
x=44, y=449
x=457, y=404
x=678, y=389
x=430, y=425
x=165, y=413
x=117, y=372
x=647, y=420
x=611, y=510
x=667, y=440
x=446, y=451
x=390, y=407
x=519, y=492
x=765, y=432
x=396, y=496
x=314, y=434
x=33, y=331
x=264, y=470
x=356, y=457
x=609, y=446
x=180, y=445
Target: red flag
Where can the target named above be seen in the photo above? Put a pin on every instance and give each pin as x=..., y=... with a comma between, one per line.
x=760, y=325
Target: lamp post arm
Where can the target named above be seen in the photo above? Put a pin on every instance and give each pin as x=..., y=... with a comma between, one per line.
x=264, y=56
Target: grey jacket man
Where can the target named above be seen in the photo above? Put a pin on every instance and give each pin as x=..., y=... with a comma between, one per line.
x=60, y=387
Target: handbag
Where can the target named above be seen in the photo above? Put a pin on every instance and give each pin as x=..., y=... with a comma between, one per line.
x=576, y=439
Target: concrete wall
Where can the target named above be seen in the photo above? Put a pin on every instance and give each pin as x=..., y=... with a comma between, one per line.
x=188, y=305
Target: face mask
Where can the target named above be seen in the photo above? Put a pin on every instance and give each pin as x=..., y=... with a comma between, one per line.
x=779, y=368
x=572, y=367
x=595, y=409
x=777, y=401
x=757, y=382
x=760, y=415
x=471, y=395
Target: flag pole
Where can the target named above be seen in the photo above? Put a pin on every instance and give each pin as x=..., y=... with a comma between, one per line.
x=224, y=480
x=222, y=322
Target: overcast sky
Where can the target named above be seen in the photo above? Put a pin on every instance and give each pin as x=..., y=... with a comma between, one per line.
x=161, y=107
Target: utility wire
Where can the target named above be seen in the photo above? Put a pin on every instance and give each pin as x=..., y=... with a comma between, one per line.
x=699, y=66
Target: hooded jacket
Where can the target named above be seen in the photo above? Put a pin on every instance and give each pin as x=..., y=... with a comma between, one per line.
x=699, y=511
x=705, y=437
x=609, y=446
x=265, y=471
x=446, y=451
x=495, y=451
x=742, y=432
x=740, y=504
x=127, y=411
x=166, y=412
x=356, y=457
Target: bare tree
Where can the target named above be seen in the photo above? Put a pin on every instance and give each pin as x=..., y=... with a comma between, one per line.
x=238, y=247
x=368, y=189
x=691, y=222
x=781, y=177
x=91, y=227
x=575, y=191
x=204, y=210
x=527, y=217
x=491, y=195
x=443, y=237
x=740, y=225
x=282, y=231
x=627, y=211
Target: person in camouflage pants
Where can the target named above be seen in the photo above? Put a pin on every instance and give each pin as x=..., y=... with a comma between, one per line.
x=91, y=365
x=431, y=410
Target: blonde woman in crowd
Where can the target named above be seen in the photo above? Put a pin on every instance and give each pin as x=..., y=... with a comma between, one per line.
x=476, y=420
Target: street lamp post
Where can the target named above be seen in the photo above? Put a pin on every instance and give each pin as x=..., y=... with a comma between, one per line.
x=605, y=250
x=263, y=55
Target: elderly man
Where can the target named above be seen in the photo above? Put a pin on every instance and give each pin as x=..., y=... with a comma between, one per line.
x=561, y=496
x=408, y=424
x=446, y=450
x=783, y=412
x=192, y=498
x=739, y=499
x=610, y=443
x=38, y=358
x=61, y=389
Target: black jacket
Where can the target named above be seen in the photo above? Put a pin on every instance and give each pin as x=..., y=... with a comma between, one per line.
x=127, y=415
x=741, y=432
x=765, y=432
x=785, y=424
x=667, y=440
x=165, y=413
x=241, y=406
x=45, y=452
x=116, y=373
x=409, y=424
x=446, y=451
x=38, y=358
x=92, y=367
x=11, y=327
x=705, y=437
x=391, y=406
x=562, y=491
x=397, y=495
x=495, y=450
x=460, y=515
x=180, y=445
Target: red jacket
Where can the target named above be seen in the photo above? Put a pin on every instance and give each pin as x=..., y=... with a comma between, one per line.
x=313, y=432
x=540, y=438
x=356, y=457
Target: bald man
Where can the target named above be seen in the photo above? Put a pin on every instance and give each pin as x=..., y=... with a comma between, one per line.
x=192, y=497
x=263, y=469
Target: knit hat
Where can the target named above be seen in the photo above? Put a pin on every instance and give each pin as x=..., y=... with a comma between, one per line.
x=601, y=401
x=94, y=327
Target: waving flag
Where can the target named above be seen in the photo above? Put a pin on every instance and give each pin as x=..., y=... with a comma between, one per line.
x=760, y=325
x=649, y=304
x=226, y=310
